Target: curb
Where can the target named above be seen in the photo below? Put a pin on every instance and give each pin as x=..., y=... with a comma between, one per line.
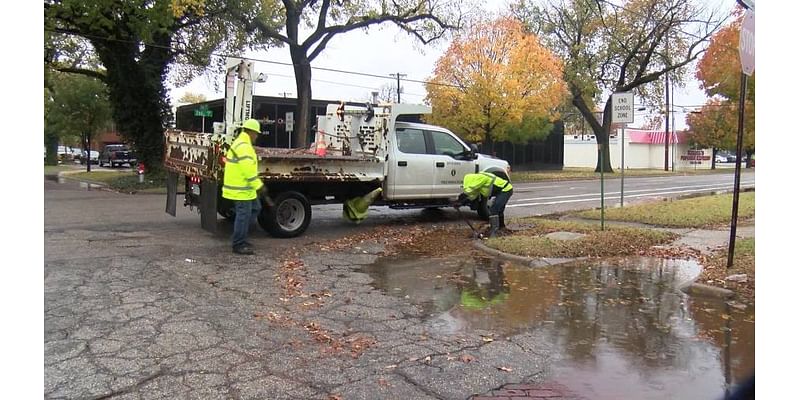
x=700, y=289
x=102, y=186
x=529, y=261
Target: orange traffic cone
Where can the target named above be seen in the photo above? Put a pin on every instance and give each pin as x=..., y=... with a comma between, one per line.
x=322, y=148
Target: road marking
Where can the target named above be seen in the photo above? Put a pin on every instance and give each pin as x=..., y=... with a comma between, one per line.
x=613, y=199
x=629, y=191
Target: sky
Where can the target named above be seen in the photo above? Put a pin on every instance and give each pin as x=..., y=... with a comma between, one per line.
x=776, y=209
x=382, y=51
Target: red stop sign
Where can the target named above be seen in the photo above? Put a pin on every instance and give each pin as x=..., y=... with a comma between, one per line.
x=747, y=43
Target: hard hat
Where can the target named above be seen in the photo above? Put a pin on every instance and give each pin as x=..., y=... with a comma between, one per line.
x=252, y=125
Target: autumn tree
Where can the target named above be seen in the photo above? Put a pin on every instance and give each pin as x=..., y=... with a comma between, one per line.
x=131, y=46
x=311, y=24
x=719, y=72
x=77, y=106
x=618, y=46
x=192, y=98
x=496, y=82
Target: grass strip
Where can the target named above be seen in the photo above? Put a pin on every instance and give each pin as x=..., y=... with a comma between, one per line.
x=588, y=173
x=697, y=212
x=613, y=241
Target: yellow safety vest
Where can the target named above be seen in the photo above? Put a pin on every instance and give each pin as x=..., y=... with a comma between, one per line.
x=481, y=184
x=241, y=170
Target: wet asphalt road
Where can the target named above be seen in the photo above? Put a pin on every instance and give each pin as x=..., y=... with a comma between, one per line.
x=139, y=304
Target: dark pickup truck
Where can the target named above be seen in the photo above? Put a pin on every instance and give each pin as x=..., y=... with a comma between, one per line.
x=117, y=154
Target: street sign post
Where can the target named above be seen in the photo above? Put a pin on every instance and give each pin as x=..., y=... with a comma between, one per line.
x=747, y=55
x=623, y=113
x=289, y=126
x=203, y=112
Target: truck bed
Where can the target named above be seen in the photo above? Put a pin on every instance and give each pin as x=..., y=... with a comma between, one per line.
x=197, y=154
x=299, y=165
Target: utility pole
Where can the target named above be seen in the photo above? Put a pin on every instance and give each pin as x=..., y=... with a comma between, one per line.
x=398, y=75
x=666, y=112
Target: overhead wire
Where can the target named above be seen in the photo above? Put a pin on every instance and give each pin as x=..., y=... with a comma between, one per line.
x=336, y=70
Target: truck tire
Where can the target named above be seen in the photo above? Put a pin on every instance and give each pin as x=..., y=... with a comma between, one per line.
x=225, y=207
x=481, y=205
x=289, y=217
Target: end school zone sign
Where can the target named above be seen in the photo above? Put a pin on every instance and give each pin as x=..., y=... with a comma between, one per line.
x=622, y=108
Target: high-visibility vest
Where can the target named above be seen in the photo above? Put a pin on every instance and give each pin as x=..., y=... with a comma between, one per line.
x=482, y=183
x=241, y=179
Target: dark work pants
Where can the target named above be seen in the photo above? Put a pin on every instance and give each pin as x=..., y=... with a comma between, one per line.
x=499, y=206
x=246, y=213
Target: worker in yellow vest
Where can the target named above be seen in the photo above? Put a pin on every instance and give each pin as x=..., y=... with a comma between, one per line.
x=487, y=185
x=242, y=185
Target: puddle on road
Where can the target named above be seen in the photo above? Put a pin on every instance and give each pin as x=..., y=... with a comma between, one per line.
x=621, y=328
x=72, y=184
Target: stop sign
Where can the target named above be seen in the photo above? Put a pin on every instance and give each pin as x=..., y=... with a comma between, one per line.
x=747, y=43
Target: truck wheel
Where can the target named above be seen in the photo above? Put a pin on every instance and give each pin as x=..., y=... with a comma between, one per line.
x=225, y=207
x=289, y=217
x=481, y=205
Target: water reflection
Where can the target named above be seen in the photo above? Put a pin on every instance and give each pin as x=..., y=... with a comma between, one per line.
x=623, y=327
x=73, y=183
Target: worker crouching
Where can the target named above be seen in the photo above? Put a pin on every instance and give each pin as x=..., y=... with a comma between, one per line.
x=487, y=185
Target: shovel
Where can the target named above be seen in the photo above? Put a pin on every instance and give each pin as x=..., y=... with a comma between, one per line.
x=475, y=233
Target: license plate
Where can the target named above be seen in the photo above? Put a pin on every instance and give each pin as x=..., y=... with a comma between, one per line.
x=196, y=189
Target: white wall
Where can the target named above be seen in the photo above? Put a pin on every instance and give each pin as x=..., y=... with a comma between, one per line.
x=583, y=154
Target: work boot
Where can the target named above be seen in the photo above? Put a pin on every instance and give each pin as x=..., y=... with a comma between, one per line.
x=243, y=250
x=494, y=225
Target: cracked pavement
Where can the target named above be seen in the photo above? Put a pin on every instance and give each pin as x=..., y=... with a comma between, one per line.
x=139, y=305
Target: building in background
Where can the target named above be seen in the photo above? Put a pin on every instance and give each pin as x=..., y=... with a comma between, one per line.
x=644, y=149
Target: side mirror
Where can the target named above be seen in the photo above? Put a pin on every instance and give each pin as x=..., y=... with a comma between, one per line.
x=474, y=149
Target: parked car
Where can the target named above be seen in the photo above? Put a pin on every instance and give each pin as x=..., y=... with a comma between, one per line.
x=94, y=157
x=720, y=158
x=116, y=154
x=65, y=154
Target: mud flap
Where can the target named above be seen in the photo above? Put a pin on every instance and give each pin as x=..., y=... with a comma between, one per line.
x=208, y=205
x=172, y=193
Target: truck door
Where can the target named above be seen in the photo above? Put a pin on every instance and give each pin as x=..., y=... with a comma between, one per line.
x=451, y=162
x=410, y=166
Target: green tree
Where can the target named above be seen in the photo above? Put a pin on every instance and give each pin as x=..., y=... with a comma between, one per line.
x=77, y=107
x=619, y=46
x=131, y=46
x=322, y=20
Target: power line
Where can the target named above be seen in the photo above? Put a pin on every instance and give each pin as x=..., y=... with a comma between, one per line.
x=90, y=36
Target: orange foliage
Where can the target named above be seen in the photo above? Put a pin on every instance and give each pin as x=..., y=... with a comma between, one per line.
x=502, y=74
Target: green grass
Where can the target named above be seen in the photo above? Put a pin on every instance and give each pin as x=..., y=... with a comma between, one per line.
x=125, y=181
x=613, y=241
x=698, y=212
x=100, y=176
x=588, y=173
x=55, y=169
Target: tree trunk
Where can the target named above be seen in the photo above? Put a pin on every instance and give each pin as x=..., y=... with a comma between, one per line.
x=714, y=151
x=85, y=145
x=600, y=130
x=302, y=74
x=51, y=148
x=601, y=136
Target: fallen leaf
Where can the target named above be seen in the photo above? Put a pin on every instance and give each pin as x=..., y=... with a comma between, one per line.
x=505, y=369
x=467, y=358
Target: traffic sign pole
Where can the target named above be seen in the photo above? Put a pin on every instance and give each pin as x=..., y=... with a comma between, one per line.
x=747, y=51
